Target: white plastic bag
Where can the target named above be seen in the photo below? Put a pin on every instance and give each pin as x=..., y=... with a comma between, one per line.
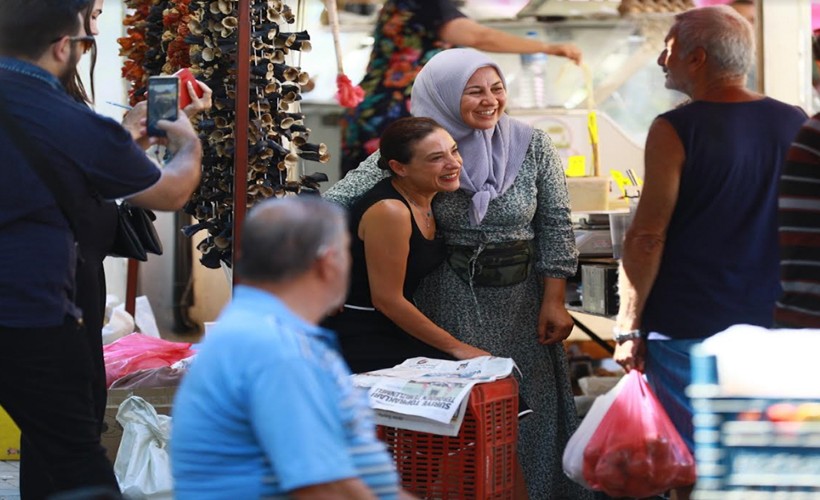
x=573, y=460
x=118, y=323
x=143, y=466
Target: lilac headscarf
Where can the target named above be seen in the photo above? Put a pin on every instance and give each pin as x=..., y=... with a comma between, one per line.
x=491, y=157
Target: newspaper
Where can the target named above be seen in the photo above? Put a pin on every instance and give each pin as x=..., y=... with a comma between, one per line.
x=429, y=395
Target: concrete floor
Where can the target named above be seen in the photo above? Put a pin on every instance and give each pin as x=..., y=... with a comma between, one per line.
x=9, y=480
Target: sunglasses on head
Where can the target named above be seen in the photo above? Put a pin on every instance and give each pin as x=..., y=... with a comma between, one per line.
x=86, y=41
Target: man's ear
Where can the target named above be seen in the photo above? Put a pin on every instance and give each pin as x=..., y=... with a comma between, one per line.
x=323, y=265
x=61, y=50
x=697, y=57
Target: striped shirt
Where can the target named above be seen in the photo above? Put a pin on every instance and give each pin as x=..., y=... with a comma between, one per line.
x=799, y=226
x=269, y=407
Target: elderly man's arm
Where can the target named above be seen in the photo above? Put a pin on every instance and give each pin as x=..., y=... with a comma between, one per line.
x=646, y=237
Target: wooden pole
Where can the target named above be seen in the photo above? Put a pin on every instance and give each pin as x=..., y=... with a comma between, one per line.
x=240, y=159
x=132, y=276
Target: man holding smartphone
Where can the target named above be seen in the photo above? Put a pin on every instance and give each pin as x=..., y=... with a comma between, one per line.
x=46, y=381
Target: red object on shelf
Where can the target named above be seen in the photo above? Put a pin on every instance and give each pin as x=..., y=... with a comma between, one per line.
x=478, y=463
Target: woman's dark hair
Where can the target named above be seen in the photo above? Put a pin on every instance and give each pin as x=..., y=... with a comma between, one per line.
x=75, y=86
x=399, y=138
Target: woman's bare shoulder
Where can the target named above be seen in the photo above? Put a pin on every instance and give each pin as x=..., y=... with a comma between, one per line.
x=388, y=210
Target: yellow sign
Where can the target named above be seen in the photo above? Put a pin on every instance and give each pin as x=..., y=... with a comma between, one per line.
x=576, y=166
x=620, y=179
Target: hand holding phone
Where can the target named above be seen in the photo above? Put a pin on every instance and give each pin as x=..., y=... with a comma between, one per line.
x=163, y=102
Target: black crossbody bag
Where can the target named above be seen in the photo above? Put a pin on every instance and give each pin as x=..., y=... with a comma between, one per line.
x=136, y=235
x=493, y=265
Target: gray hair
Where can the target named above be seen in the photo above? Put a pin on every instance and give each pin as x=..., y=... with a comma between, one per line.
x=282, y=237
x=725, y=35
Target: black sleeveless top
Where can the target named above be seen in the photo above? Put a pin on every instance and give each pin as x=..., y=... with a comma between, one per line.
x=425, y=255
x=369, y=340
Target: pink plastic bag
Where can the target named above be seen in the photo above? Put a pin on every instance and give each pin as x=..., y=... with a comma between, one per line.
x=636, y=450
x=138, y=352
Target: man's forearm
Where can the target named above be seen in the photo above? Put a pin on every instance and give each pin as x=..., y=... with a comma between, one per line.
x=638, y=271
x=179, y=179
x=185, y=169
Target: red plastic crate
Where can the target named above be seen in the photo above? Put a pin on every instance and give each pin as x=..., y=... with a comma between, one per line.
x=478, y=463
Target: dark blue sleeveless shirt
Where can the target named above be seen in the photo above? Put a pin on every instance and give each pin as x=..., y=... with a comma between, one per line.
x=720, y=264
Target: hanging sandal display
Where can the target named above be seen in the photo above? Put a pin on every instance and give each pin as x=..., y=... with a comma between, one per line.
x=159, y=31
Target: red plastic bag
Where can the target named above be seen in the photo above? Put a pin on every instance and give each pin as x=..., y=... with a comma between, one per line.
x=138, y=352
x=636, y=450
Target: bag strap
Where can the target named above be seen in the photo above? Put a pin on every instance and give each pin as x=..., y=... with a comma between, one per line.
x=38, y=164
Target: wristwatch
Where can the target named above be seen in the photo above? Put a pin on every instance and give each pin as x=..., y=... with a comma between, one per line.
x=621, y=336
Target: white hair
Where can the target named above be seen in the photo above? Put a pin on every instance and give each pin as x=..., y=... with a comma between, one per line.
x=725, y=35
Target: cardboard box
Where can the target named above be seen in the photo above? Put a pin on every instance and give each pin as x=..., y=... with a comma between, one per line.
x=161, y=398
x=588, y=194
x=9, y=438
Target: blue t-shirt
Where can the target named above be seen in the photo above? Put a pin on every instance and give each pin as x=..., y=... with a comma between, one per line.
x=721, y=262
x=268, y=407
x=90, y=155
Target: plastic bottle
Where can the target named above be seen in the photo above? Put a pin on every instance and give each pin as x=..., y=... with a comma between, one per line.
x=532, y=80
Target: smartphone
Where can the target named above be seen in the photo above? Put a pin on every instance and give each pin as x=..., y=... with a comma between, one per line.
x=186, y=76
x=163, y=102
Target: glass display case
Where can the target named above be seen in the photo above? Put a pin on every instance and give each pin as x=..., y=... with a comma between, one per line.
x=621, y=57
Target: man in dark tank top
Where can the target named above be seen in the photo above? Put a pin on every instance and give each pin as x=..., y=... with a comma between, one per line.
x=702, y=252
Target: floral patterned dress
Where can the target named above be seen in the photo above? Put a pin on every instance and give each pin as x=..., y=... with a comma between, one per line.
x=406, y=37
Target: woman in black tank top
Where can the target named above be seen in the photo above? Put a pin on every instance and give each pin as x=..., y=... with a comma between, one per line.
x=394, y=245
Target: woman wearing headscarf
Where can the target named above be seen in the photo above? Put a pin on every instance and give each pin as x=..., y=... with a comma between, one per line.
x=510, y=249
x=407, y=34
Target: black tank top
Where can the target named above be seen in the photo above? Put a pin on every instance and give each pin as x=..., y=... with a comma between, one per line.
x=425, y=255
